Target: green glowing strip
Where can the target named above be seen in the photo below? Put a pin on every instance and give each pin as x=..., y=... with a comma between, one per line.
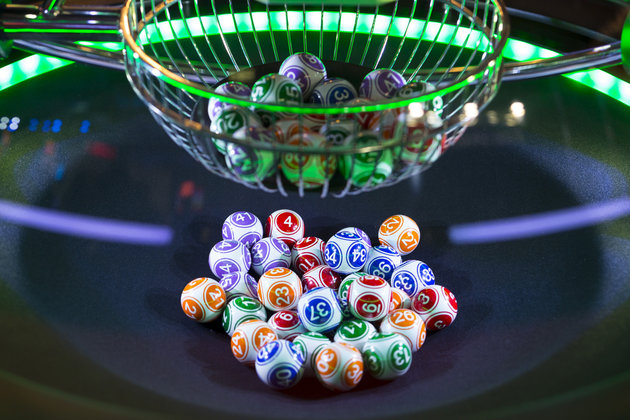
x=29, y=67
x=59, y=31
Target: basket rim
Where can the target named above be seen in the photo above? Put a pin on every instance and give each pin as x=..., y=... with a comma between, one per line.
x=176, y=80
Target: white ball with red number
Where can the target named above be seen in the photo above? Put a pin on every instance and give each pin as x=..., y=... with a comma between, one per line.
x=436, y=305
x=368, y=120
x=249, y=337
x=399, y=300
x=369, y=298
x=286, y=324
x=401, y=233
x=321, y=276
x=279, y=289
x=286, y=225
x=307, y=253
x=203, y=299
x=408, y=324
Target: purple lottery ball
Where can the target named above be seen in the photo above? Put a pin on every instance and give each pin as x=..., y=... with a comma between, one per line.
x=244, y=227
x=239, y=283
x=229, y=256
x=230, y=89
x=306, y=69
x=270, y=253
x=381, y=84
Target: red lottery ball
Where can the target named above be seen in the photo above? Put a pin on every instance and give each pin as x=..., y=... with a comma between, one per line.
x=286, y=324
x=369, y=298
x=321, y=276
x=307, y=254
x=436, y=305
x=286, y=225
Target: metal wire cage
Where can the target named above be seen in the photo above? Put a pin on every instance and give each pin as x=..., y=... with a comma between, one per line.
x=177, y=52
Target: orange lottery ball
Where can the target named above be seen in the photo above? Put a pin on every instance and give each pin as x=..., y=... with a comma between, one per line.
x=203, y=299
x=401, y=233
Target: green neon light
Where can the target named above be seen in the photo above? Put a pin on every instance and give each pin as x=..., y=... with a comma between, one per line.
x=29, y=67
x=60, y=31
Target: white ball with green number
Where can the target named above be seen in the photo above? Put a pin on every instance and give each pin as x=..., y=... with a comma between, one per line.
x=387, y=356
x=355, y=332
x=275, y=89
x=229, y=120
x=369, y=168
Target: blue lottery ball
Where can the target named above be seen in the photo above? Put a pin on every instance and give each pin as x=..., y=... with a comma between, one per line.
x=333, y=91
x=382, y=260
x=346, y=252
x=412, y=276
x=280, y=364
x=319, y=310
x=270, y=253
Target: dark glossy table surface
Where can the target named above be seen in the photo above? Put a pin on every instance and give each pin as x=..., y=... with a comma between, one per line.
x=94, y=328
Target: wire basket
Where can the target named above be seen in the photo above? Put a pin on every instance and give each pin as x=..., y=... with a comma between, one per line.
x=177, y=52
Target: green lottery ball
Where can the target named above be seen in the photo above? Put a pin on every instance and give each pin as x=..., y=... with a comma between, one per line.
x=241, y=309
x=275, y=89
x=387, y=356
x=310, y=344
x=370, y=168
x=229, y=120
x=415, y=89
x=313, y=170
x=355, y=332
x=250, y=163
x=342, y=293
x=337, y=131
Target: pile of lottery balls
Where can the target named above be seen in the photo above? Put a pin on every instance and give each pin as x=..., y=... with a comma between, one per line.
x=296, y=304
x=303, y=78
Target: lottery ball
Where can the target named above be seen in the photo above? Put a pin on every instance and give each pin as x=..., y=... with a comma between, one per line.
x=279, y=288
x=231, y=89
x=270, y=253
x=239, y=283
x=229, y=120
x=399, y=300
x=355, y=332
x=345, y=252
x=252, y=164
x=286, y=324
x=249, y=338
x=241, y=309
x=381, y=84
x=306, y=69
x=333, y=91
x=415, y=89
x=321, y=276
x=229, y=256
x=244, y=227
x=364, y=237
x=368, y=120
x=308, y=170
x=307, y=253
x=289, y=127
x=203, y=299
x=280, y=364
x=310, y=343
x=408, y=324
x=319, y=310
x=276, y=89
x=339, y=366
x=369, y=168
x=436, y=305
x=286, y=225
x=338, y=130
x=411, y=276
x=382, y=260
x=387, y=356
x=342, y=293
x=369, y=298
x=400, y=232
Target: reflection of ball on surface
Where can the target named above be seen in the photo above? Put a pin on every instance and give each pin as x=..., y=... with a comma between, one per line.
x=203, y=299
x=229, y=256
x=270, y=253
x=333, y=91
x=279, y=288
x=345, y=252
x=355, y=332
x=308, y=169
x=231, y=89
x=242, y=226
x=436, y=305
x=319, y=310
x=381, y=84
x=280, y=364
x=339, y=366
x=275, y=89
x=286, y=225
x=239, y=283
x=321, y=276
x=401, y=233
x=411, y=276
x=381, y=261
x=248, y=338
x=239, y=310
x=310, y=344
x=229, y=120
x=306, y=69
x=369, y=298
x=387, y=356
x=252, y=164
x=408, y=324
x=286, y=324
x=370, y=168
x=307, y=253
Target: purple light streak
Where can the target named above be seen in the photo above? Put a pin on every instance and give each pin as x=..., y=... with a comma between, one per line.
x=539, y=224
x=85, y=226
